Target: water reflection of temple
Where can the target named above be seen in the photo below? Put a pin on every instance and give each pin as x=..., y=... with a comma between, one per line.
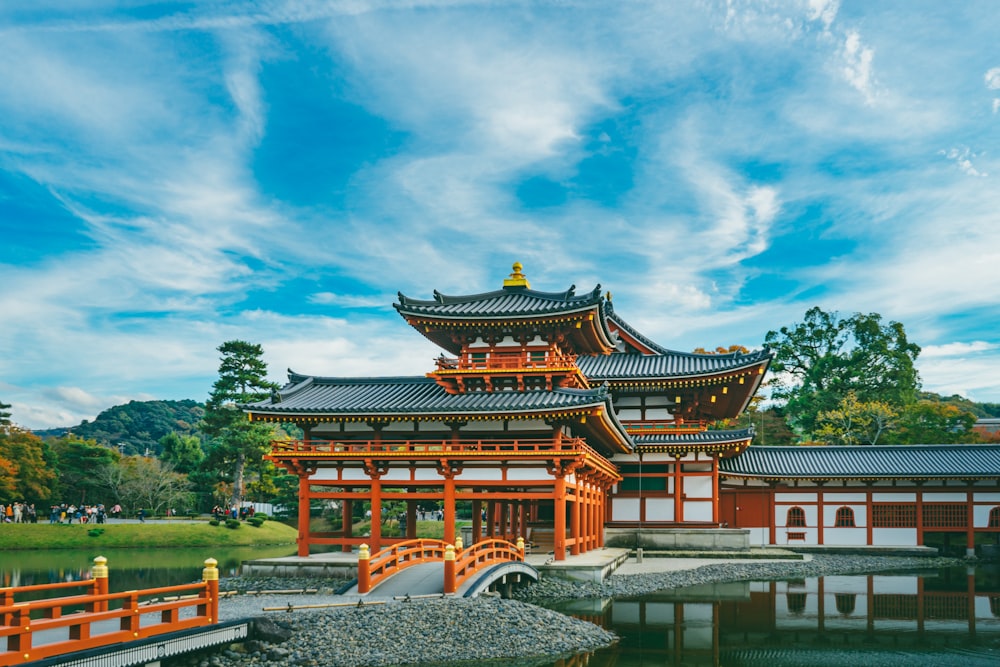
x=801, y=621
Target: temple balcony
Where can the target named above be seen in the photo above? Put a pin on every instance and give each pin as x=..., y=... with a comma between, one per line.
x=527, y=449
x=528, y=361
x=652, y=427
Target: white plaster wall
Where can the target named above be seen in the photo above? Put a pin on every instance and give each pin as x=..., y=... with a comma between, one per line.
x=845, y=498
x=523, y=474
x=624, y=509
x=894, y=497
x=324, y=474
x=759, y=535
x=660, y=509
x=894, y=537
x=484, y=474
x=697, y=511
x=357, y=427
x=630, y=414
x=898, y=585
x=794, y=498
x=350, y=474
x=981, y=515
x=987, y=497
x=830, y=514
x=698, y=487
x=781, y=536
x=945, y=497
x=845, y=536
x=781, y=514
x=626, y=612
x=658, y=613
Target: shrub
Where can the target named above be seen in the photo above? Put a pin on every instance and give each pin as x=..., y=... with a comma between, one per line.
x=95, y=532
x=232, y=523
x=256, y=522
x=213, y=522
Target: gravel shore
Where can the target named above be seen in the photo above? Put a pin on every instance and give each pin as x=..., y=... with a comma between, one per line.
x=472, y=631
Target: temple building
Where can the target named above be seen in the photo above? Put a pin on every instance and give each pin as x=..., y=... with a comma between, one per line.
x=548, y=417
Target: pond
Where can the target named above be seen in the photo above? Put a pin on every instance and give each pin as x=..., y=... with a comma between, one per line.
x=128, y=569
x=945, y=618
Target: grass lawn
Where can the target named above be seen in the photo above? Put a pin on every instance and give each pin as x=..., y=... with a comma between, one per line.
x=123, y=535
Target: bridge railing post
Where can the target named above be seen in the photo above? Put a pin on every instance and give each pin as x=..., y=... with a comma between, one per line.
x=99, y=574
x=21, y=642
x=210, y=575
x=449, y=570
x=520, y=546
x=364, y=571
x=130, y=614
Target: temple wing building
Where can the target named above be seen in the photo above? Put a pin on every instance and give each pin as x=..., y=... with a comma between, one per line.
x=547, y=416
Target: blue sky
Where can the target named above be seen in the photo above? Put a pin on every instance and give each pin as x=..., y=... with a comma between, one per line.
x=175, y=175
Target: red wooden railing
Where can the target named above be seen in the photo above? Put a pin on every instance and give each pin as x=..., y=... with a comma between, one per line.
x=467, y=448
x=374, y=568
x=75, y=618
x=459, y=565
x=480, y=555
x=506, y=362
x=637, y=427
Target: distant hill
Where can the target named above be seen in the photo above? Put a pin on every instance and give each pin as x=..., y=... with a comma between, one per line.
x=137, y=426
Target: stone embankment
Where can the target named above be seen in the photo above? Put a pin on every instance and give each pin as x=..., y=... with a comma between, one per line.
x=479, y=631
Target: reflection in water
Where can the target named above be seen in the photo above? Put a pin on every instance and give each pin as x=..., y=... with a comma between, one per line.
x=128, y=569
x=948, y=618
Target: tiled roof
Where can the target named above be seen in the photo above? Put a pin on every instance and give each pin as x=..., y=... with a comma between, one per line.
x=506, y=302
x=669, y=365
x=625, y=326
x=392, y=396
x=859, y=462
x=702, y=438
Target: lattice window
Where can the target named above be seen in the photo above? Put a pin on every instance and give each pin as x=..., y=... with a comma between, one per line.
x=845, y=518
x=796, y=518
x=946, y=516
x=845, y=603
x=895, y=606
x=995, y=517
x=894, y=516
x=796, y=603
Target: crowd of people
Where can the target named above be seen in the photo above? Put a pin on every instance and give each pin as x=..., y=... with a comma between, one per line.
x=243, y=513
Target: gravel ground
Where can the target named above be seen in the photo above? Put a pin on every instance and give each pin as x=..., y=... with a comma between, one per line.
x=478, y=631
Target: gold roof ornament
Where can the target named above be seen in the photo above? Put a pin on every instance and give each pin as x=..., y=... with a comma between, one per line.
x=517, y=279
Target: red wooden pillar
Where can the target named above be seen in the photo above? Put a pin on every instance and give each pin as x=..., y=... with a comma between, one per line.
x=347, y=524
x=920, y=516
x=970, y=525
x=210, y=575
x=449, y=507
x=491, y=519
x=376, y=525
x=575, y=521
x=678, y=497
x=304, y=501
x=820, y=511
x=559, y=498
x=715, y=489
x=869, y=515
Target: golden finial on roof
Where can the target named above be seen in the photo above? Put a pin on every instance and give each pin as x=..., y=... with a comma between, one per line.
x=517, y=279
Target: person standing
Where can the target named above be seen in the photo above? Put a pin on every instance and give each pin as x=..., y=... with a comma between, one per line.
x=142, y=515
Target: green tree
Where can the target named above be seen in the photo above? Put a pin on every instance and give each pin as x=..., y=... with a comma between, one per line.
x=818, y=361
x=183, y=452
x=855, y=422
x=928, y=422
x=79, y=464
x=148, y=483
x=242, y=380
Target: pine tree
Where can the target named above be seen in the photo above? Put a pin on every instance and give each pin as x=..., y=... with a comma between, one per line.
x=242, y=380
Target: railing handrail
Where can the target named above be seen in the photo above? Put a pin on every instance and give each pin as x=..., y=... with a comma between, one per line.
x=483, y=554
x=377, y=567
x=506, y=361
x=19, y=628
x=435, y=446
